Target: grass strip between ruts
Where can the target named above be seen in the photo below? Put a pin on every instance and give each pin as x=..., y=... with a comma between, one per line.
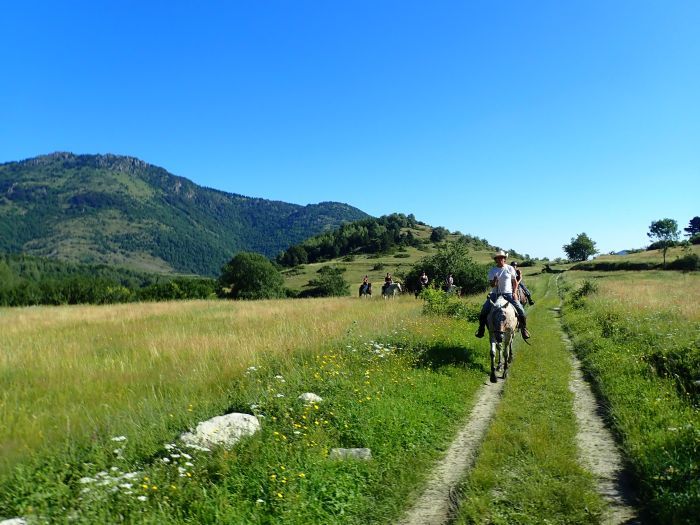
x=528, y=469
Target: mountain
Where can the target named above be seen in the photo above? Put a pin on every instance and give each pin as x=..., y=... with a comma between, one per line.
x=112, y=209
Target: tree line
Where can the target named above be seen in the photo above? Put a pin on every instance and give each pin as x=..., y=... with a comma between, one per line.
x=374, y=235
x=28, y=281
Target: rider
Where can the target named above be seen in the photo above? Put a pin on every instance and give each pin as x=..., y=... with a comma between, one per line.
x=449, y=282
x=521, y=284
x=502, y=279
x=365, y=285
x=387, y=281
x=423, y=281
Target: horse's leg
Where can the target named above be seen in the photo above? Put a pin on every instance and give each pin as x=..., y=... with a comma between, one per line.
x=493, y=359
x=508, y=356
x=499, y=361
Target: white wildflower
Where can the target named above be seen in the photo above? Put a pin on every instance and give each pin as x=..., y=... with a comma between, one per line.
x=87, y=480
x=142, y=498
x=119, y=438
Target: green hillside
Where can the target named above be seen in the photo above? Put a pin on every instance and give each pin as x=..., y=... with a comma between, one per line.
x=406, y=241
x=109, y=209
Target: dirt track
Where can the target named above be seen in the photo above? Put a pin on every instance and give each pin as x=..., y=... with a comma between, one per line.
x=597, y=453
x=436, y=505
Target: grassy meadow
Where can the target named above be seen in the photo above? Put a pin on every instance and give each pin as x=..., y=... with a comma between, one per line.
x=638, y=336
x=95, y=398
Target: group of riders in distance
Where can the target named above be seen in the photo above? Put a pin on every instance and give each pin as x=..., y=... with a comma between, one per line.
x=506, y=280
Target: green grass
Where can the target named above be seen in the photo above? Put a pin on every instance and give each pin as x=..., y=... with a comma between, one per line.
x=394, y=382
x=527, y=471
x=637, y=337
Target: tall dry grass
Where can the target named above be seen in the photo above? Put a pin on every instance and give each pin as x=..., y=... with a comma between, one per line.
x=653, y=291
x=71, y=374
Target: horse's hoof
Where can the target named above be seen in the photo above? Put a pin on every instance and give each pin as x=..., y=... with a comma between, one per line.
x=493, y=378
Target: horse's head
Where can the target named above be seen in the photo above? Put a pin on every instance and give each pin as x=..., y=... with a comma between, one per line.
x=498, y=319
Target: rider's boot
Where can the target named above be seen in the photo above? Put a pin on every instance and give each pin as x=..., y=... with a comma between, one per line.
x=523, y=327
x=529, y=300
x=482, y=326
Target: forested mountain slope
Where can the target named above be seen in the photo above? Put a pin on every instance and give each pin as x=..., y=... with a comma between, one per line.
x=121, y=210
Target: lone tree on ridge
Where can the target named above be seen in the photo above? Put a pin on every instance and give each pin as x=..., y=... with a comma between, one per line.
x=580, y=248
x=665, y=232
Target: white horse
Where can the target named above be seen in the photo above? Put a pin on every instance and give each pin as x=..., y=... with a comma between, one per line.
x=502, y=323
x=391, y=290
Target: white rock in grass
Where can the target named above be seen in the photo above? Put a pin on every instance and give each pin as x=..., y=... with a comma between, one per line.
x=14, y=521
x=224, y=430
x=351, y=453
x=310, y=397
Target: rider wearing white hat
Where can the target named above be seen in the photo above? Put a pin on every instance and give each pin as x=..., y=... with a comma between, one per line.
x=502, y=278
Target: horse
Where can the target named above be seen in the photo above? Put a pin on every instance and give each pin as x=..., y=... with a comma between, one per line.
x=502, y=324
x=391, y=290
x=364, y=292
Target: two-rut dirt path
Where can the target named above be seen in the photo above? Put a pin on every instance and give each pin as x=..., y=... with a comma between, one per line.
x=437, y=504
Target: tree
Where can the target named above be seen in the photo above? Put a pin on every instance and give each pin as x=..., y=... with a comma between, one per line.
x=665, y=232
x=451, y=258
x=438, y=234
x=693, y=227
x=580, y=248
x=251, y=276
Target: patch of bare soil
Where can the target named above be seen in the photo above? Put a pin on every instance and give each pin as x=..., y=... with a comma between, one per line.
x=437, y=504
x=597, y=450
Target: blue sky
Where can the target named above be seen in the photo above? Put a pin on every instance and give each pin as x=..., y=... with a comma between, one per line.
x=454, y=111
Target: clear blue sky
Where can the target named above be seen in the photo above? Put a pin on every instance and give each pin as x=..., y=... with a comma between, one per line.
x=590, y=110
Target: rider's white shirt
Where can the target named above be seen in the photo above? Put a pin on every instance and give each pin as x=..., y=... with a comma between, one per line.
x=504, y=275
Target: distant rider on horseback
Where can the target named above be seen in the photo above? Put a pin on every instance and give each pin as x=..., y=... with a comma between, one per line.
x=502, y=278
x=521, y=285
x=364, y=287
x=387, y=281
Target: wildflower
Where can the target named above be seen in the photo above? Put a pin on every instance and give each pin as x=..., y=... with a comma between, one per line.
x=301, y=475
x=259, y=501
x=280, y=495
x=142, y=498
x=165, y=460
x=119, y=438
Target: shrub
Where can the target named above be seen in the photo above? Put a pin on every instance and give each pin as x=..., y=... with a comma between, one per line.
x=330, y=283
x=688, y=263
x=439, y=302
